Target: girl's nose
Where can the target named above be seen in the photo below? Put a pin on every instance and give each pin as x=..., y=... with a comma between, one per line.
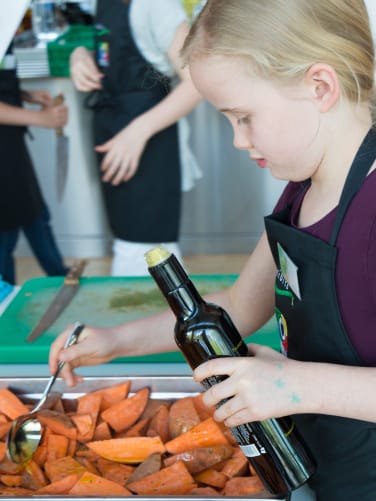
x=241, y=140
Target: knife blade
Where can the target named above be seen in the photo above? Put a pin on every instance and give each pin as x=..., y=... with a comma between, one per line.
x=62, y=160
x=60, y=301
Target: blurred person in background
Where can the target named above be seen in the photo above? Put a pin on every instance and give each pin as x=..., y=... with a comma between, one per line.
x=143, y=155
x=22, y=207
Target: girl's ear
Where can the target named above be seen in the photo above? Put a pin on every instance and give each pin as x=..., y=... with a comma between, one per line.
x=323, y=82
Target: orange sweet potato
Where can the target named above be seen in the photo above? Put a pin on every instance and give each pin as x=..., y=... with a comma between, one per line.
x=212, y=478
x=117, y=472
x=242, y=486
x=11, y=480
x=182, y=416
x=102, y=432
x=57, y=447
x=33, y=477
x=11, y=405
x=85, y=425
x=137, y=430
x=201, y=459
x=124, y=414
x=158, y=425
x=58, y=423
x=237, y=465
x=205, y=434
x=128, y=449
x=89, y=483
x=89, y=404
x=4, y=428
x=152, y=464
x=62, y=486
x=3, y=450
x=174, y=479
x=113, y=394
x=204, y=492
x=55, y=470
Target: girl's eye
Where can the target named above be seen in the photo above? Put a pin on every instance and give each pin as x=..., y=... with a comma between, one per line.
x=244, y=120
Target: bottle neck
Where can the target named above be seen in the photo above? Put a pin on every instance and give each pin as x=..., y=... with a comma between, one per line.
x=179, y=291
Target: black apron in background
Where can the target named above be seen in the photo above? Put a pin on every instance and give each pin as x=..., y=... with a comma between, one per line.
x=20, y=197
x=345, y=449
x=147, y=207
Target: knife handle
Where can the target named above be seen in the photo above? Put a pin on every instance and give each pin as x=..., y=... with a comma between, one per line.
x=75, y=272
x=59, y=99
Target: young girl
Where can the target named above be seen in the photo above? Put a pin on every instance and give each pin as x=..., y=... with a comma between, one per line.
x=296, y=81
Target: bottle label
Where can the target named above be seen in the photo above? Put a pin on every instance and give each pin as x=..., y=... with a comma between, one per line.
x=250, y=451
x=248, y=440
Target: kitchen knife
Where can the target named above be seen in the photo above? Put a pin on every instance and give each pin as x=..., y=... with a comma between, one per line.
x=60, y=301
x=62, y=160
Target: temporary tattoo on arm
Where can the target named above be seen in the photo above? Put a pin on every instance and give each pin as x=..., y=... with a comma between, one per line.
x=295, y=398
x=279, y=383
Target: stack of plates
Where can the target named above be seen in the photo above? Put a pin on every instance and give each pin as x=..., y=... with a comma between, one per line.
x=32, y=62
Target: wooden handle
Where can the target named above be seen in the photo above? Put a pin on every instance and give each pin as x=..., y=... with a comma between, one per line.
x=75, y=272
x=59, y=99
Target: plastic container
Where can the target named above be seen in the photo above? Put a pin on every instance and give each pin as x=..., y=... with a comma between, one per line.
x=59, y=50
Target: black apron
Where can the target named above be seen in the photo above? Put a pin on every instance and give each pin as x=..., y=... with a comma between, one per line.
x=20, y=197
x=345, y=449
x=147, y=207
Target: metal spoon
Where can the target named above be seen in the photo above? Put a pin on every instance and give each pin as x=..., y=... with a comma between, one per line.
x=25, y=432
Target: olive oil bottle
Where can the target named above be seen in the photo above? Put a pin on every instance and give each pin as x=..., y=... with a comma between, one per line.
x=204, y=331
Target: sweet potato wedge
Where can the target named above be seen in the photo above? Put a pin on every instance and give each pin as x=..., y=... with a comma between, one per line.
x=205, y=434
x=242, y=486
x=58, y=423
x=124, y=414
x=62, y=486
x=57, y=447
x=237, y=465
x=89, y=483
x=212, y=478
x=128, y=449
x=201, y=459
x=116, y=472
x=182, y=416
x=158, y=425
x=102, y=432
x=11, y=405
x=152, y=464
x=113, y=394
x=174, y=479
x=55, y=470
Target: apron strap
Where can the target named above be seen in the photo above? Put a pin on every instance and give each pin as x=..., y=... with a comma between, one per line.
x=358, y=172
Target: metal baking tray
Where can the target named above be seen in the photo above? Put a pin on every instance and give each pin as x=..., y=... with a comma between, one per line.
x=161, y=387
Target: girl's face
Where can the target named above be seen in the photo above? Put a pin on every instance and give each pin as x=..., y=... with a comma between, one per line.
x=278, y=125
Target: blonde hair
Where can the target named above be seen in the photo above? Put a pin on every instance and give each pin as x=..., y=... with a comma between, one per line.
x=281, y=39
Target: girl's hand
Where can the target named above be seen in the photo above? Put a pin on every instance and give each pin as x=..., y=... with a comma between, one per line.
x=263, y=386
x=84, y=72
x=122, y=153
x=95, y=346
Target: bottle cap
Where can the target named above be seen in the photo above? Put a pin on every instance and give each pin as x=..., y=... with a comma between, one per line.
x=156, y=256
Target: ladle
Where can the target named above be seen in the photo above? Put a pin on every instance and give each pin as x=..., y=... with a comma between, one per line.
x=25, y=432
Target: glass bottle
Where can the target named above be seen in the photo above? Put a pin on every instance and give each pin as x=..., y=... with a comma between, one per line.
x=204, y=331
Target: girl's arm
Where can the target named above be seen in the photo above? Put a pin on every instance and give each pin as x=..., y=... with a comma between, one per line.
x=250, y=306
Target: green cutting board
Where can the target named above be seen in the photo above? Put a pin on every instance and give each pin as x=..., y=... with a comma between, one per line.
x=99, y=301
